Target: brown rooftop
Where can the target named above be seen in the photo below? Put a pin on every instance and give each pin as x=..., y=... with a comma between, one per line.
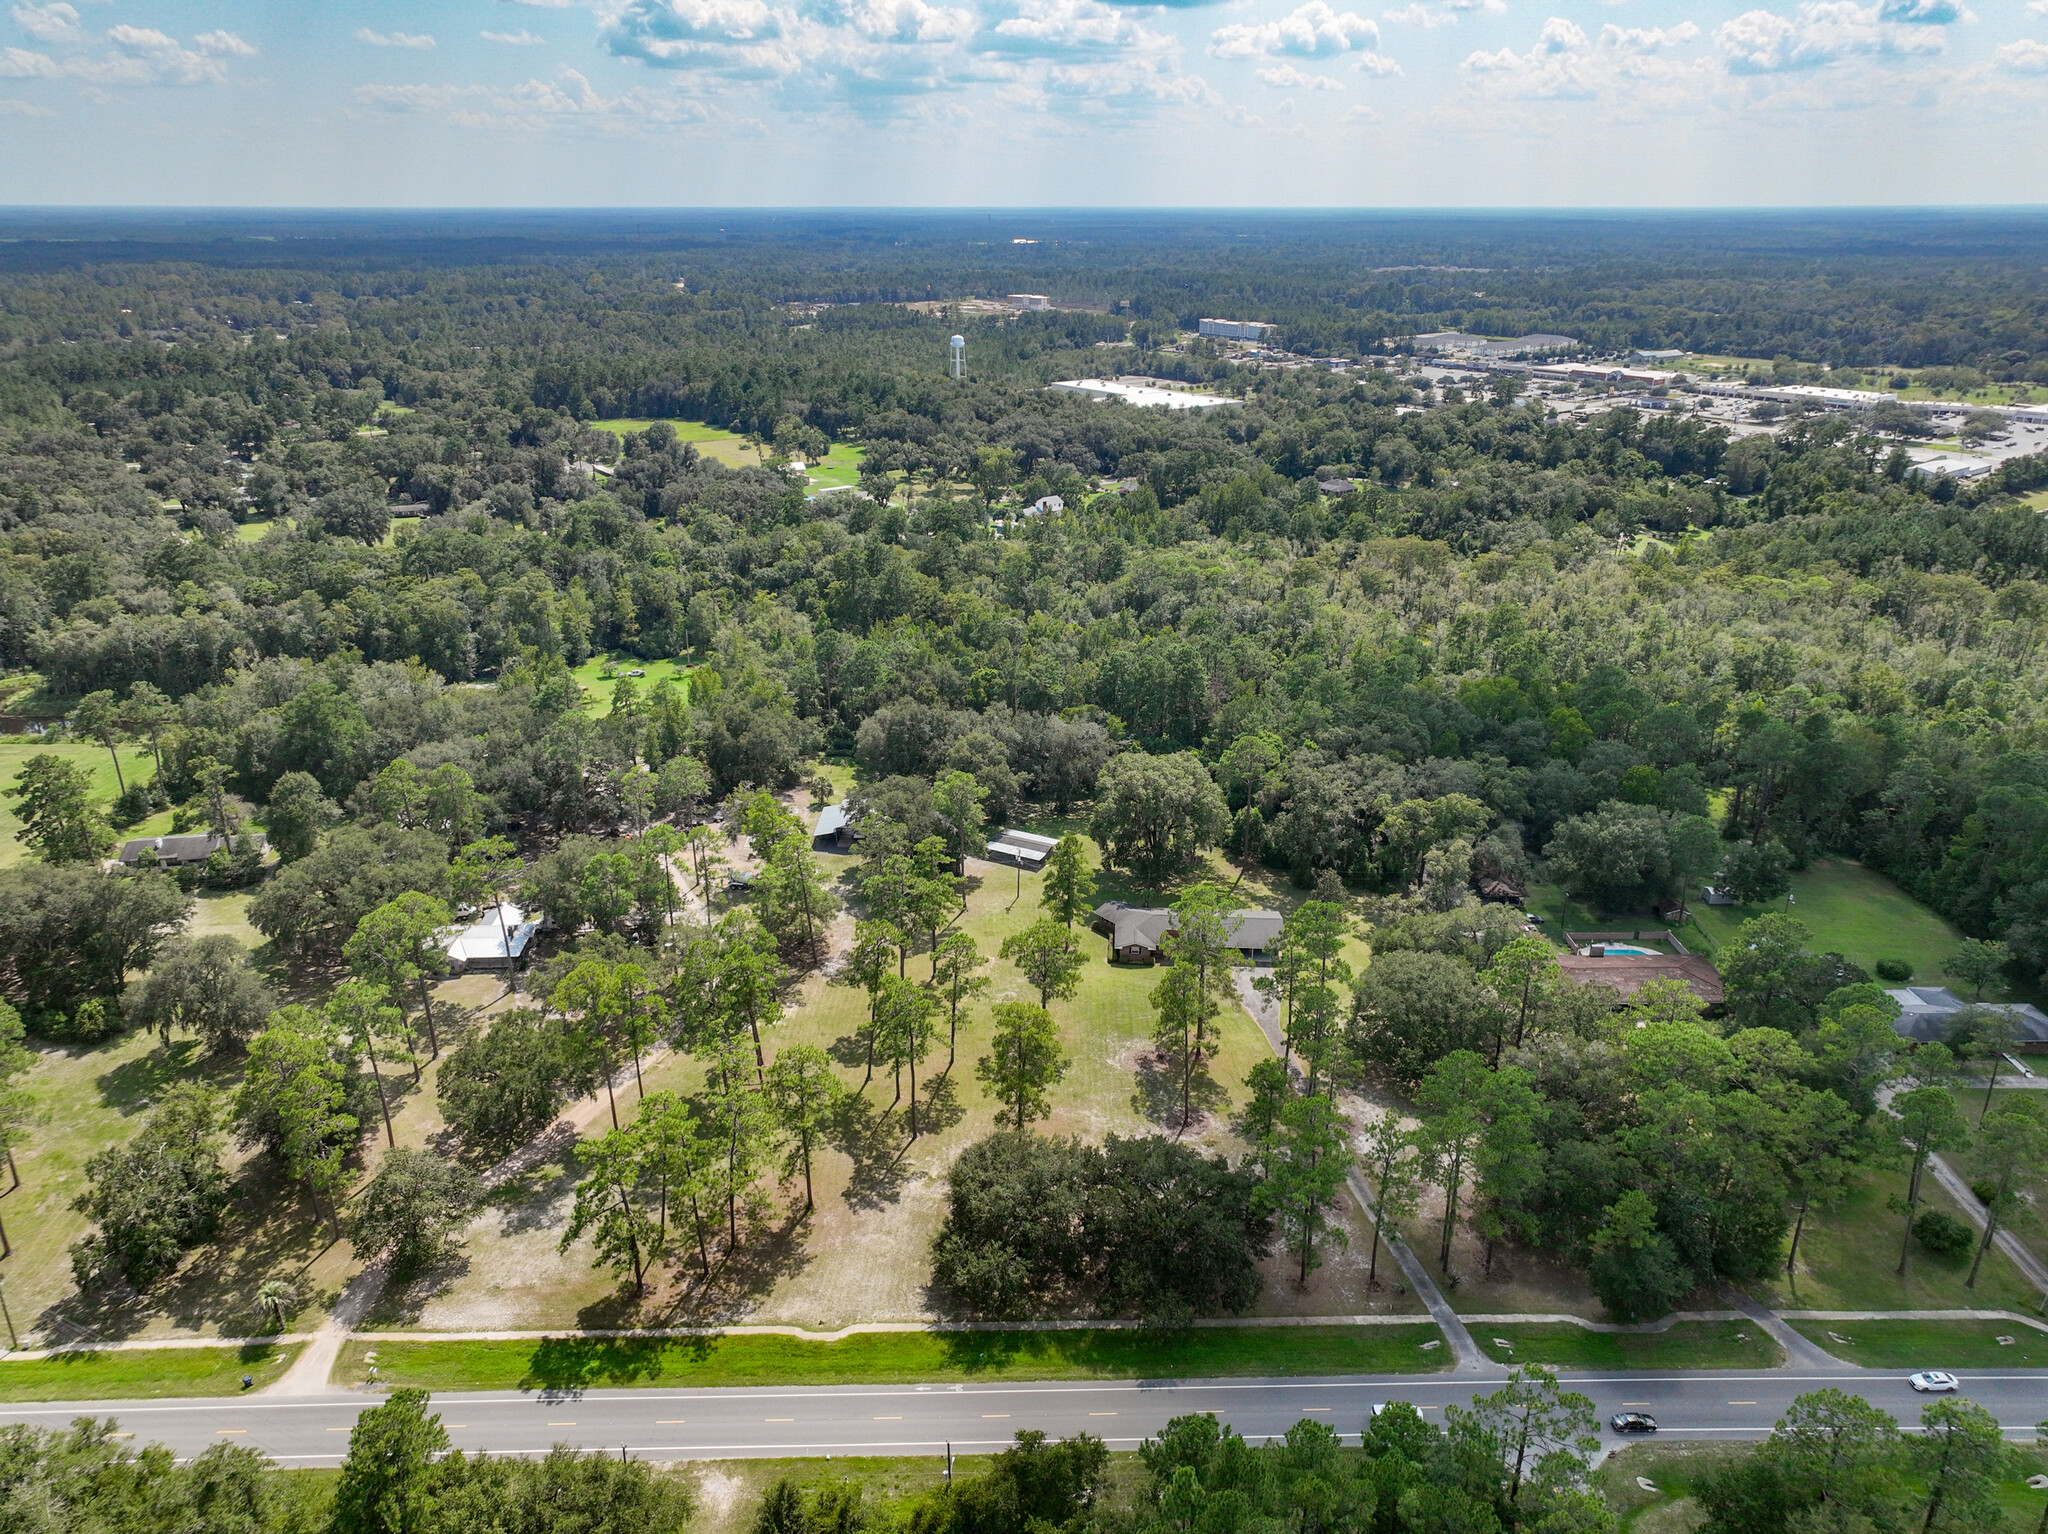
x=1627, y=973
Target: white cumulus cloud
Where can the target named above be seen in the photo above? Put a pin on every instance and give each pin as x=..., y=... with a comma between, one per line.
x=2023, y=57
x=1566, y=65
x=57, y=23
x=1818, y=33
x=519, y=39
x=133, y=56
x=1287, y=78
x=1072, y=27
x=1312, y=30
x=394, y=39
x=1417, y=14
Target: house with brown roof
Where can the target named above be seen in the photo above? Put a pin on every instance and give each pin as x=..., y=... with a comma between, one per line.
x=1626, y=973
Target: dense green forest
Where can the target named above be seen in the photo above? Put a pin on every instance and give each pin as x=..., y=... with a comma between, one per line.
x=1629, y=653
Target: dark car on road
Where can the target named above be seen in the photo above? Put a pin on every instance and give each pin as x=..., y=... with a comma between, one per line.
x=1632, y=1422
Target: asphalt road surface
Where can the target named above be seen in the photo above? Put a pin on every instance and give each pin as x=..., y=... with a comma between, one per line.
x=906, y=1420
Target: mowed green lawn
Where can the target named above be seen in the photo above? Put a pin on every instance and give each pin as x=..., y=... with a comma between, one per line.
x=597, y=695
x=17, y=750
x=139, y=1373
x=1849, y=909
x=897, y=1357
x=1686, y=1345
x=1854, y=912
x=841, y=465
x=1849, y=1258
x=713, y=442
x=1914, y=1345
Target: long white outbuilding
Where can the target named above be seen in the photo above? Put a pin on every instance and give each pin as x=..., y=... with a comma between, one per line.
x=1143, y=394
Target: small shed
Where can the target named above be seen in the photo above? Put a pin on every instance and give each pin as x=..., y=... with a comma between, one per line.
x=1046, y=506
x=1022, y=849
x=834, y=831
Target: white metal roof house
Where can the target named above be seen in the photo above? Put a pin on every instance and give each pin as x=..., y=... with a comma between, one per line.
x=491, y=944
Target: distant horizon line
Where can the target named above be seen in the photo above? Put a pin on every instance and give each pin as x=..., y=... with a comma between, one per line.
x=1013, y=210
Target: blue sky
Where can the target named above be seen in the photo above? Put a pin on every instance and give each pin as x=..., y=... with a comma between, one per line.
x=1023, y=102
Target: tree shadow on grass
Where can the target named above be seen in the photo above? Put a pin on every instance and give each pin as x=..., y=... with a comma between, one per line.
x=872, y=1137
x=849, y=1050
x=1156, y=1093
x=939, y=1106
x=567, y=1364
x=267, y=1231
x=403, y=1300
x=134, y=1086
x=681, y=1293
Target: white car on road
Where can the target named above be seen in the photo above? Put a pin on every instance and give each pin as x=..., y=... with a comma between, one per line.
x=1933, y=1382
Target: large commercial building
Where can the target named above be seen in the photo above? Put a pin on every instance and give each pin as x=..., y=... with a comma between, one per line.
x=1142, y=392
x=1235, y=330
x=1458, y=343
x=1028, y=301
x=1802, y=394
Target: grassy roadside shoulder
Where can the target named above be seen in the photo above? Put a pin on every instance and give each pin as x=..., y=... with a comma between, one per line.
x=896, y=1357
x=1929, y=1344
x=144, y=1373
x=1687, y=1345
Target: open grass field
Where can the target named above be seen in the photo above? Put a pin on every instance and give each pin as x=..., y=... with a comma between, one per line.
x=16, y=750
x=727, y=1493
x=137, y=1373
x=2038, y=501
x=1855, y=912
x=841, y=465
x=898, y=1357
x=715, y=443
x=2029, y=1221
x=1687, y=1345
x=1849, y=1258
x=1850, y=910
x=862, y=1256
x=597, y=690
x=1670, y=1468
x=1911, y=1345
x=84, y=1100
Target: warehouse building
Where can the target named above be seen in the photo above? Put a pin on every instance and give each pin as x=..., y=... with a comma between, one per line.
x=1148, y=393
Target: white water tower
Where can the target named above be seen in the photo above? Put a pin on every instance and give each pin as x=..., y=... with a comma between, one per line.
x=959, y=345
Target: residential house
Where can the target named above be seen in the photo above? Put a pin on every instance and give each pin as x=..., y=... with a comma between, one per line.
x=499, y=940
x=1137, y=933
x=181, y=851
x=1626, y=973
x=1926, y=1013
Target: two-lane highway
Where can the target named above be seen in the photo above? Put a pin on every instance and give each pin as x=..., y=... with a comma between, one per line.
x=660, y=1424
